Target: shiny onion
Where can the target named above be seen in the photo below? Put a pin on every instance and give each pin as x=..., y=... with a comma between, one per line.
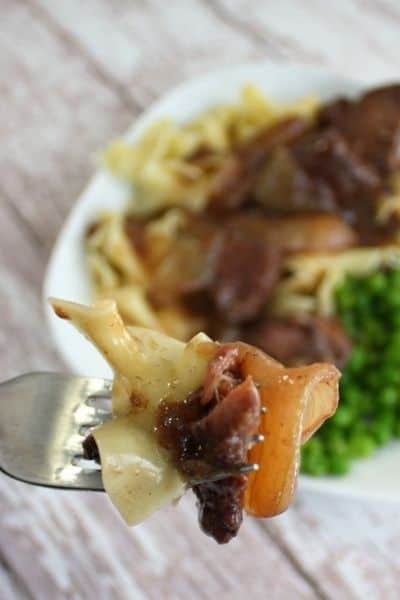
x=297, y=402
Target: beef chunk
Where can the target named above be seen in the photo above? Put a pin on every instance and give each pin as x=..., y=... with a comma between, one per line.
x=296, y=342
x=208, y=435
x=90, y=449
x=370, y=125
x=220, y=507
x=246, y=271
x=343, y=183
x=234, y=182
x=283, y=186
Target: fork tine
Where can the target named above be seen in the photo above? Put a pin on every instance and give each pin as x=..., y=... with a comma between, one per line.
x=89, y=416
x=241, y=469
x=97, y=387
x=258, y=438
x=101, y=404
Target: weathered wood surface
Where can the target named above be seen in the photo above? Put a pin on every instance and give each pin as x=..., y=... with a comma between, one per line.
x=73, y=74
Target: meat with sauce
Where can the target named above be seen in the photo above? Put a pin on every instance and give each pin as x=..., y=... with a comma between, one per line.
x=209, y=435
x=299, y=341
x=246, y=271
x=233, y=184
x=370, y=125
x=319, y=173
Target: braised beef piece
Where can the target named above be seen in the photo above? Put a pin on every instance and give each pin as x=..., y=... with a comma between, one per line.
x=209, y=435
x=220, y=507
x=296, y=342
x=246, y=271
x=283, y=186
x=233, y=184
x=90, y=449
x=370, y=125
x=338, y=166
x=219, y=269
x=338, y=172
x=319, y=173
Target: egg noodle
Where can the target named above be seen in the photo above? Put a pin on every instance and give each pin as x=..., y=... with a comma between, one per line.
x=148, y=366
x=171, y=168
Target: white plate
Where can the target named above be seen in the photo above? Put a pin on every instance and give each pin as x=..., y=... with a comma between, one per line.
x=67, y=277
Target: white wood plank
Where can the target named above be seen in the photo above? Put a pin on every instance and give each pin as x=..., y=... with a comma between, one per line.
x=347, y=546
x=82, y=550
x=56, y=114
x=24, y=341
x=10, y=586
x=163, y=42
x=357, y=39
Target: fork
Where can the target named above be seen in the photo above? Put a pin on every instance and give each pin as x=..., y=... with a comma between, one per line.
x=44, y=418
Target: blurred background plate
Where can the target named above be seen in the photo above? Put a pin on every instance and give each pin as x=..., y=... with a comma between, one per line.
x=67, y=277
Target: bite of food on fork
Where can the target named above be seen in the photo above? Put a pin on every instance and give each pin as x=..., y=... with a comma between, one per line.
x=226, y=420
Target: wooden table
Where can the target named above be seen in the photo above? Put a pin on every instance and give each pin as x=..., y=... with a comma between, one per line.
x=73, y=75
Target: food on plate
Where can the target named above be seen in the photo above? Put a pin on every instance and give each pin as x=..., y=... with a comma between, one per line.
x=200, y=414
x=248, y=223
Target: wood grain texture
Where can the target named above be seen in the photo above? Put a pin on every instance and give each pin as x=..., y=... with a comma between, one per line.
x=74, y=73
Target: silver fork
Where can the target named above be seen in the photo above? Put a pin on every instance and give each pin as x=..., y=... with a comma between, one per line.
x=44, y=418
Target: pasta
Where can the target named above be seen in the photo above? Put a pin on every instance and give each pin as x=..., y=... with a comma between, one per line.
x=149, y=366
x=155, y=372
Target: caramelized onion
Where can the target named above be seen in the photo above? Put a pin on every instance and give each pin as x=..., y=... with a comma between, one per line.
x=297, y=233
x=297, y=402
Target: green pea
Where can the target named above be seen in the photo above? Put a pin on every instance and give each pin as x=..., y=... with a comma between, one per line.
x=393, y=297
x=358, y=359
x=377, y=282
x=383, y=429
x=389, y=396
x=339, y=465
x=395, y=339
x=315, y=468
x=393, y=278
x=363, y=301
x=353, y=397
x=344, y=416
x=361, y=445
x=389, y=376
x=395, y=320
x=349, y=323
x=336, y=443
x=313, y=461
x=392, y=352
x=373, y=380
x=345, y=300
